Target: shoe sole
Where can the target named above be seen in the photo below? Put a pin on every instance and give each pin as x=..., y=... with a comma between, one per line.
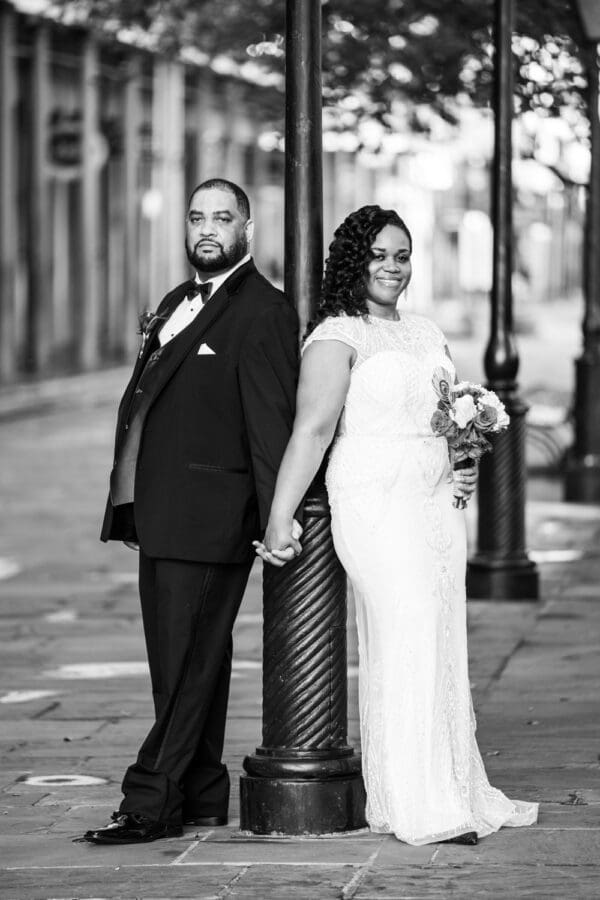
x=148, y=840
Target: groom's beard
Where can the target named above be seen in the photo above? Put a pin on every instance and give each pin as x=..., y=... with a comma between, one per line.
x=225, y=259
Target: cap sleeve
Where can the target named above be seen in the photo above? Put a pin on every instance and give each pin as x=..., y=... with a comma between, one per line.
x=336, y=328
x=428, y=330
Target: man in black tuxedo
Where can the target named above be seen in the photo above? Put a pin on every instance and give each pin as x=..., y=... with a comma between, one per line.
x=201, y=430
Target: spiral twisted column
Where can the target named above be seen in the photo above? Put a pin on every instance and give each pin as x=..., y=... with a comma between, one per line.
x=304, y=779
x=500, y=568
x=304, y=698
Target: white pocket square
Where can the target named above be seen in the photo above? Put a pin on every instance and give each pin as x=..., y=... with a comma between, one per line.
x=205, y=350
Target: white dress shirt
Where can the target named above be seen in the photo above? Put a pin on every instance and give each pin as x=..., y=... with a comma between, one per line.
x=188, y=309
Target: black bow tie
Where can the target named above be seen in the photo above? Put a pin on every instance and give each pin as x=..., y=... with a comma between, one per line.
x=193, y=288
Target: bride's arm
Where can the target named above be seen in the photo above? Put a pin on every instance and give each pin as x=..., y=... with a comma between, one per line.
x=322, y=389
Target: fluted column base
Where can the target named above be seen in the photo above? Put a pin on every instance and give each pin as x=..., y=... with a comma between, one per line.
x=303, y=806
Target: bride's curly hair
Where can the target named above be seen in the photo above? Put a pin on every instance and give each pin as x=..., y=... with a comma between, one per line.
x=343, y=288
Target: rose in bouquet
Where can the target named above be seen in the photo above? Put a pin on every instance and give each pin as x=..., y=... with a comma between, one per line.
x=465, y=414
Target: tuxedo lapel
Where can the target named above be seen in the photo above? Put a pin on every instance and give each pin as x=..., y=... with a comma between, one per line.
x=165, y=309
x=189, y=338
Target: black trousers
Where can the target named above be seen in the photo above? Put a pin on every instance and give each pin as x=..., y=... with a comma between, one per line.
x=188, y=611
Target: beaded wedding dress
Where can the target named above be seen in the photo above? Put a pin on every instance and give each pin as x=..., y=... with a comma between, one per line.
x=403, y=547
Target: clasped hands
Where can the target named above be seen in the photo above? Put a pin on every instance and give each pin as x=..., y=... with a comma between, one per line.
x=281, y=543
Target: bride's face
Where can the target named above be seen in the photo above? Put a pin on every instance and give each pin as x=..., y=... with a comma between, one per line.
x=389, y=269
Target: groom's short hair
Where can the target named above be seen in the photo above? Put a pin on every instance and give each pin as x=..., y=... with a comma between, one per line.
x=241, y=197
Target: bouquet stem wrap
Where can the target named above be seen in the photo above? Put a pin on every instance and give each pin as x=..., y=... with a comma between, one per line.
x=467, y=463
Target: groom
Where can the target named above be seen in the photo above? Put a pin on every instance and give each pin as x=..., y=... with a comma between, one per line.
x=201, y=430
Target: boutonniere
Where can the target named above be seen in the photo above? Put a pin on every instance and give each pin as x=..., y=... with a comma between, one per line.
x=148, y=322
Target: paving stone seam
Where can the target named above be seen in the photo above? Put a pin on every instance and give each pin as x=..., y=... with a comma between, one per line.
x=495, y=677
x=567, y=828
x=226, y=889
x=316, y=865
x=349, y=890
x=435, y=853
x=220, y=864
x=179, y=860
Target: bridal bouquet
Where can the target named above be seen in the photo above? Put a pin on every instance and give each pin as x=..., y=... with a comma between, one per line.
x=465, y=414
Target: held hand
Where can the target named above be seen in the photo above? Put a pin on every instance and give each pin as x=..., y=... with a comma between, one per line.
x=281, y=543
x=465, y=482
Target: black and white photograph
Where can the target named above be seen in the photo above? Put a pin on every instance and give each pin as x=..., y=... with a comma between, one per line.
x=300, y=436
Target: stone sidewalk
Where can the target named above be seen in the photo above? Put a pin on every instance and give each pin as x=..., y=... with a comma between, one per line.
x=75, y=702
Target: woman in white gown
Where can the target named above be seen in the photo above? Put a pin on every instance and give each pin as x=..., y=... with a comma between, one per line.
x=366, y=378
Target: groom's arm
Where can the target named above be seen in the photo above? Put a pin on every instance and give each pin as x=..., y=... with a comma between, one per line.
x=268, y=376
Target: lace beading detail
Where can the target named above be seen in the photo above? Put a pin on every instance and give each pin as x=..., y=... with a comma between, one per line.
x=391, y=373
x=369, y=334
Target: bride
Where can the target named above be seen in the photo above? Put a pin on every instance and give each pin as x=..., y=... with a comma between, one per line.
x=366, y=380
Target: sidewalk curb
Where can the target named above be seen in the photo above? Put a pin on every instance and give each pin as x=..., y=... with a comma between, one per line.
x=86, y=390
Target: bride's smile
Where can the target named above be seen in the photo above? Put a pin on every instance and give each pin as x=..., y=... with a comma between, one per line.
x=388, y=271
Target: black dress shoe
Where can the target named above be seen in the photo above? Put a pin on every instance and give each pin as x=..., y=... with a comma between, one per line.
x=129, y=828
x=205, y=821
x=469, y=837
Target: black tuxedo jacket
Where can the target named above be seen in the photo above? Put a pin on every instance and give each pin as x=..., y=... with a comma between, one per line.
x=216, y=427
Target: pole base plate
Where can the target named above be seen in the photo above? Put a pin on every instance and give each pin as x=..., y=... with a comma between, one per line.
x=278, y=806
x=490, y=579
x=582, y=480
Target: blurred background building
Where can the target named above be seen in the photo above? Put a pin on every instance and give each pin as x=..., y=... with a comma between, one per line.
x=101, y=143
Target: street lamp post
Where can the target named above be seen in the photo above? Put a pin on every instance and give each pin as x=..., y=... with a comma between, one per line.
x=582, y=483
x=501, y=569
x=304, y=779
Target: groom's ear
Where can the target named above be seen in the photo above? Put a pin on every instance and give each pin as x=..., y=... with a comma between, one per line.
x=249, y=228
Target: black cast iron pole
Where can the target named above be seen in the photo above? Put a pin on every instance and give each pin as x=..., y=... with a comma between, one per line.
x=501, y=569
x=304, y=779
x=582, y=482
x=303, y=266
